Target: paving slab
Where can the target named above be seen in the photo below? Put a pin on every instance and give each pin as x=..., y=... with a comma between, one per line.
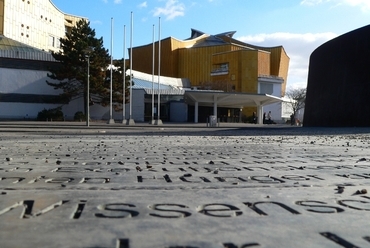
x=183, y=186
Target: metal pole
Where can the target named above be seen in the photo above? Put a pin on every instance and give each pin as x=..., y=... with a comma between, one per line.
x=111, y=76
x=153, y=78
x=159, y=69
x=124, y=76
x=132, y=27
x=88, y=92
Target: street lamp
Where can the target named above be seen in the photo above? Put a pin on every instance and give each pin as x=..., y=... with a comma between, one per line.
x=87, y=52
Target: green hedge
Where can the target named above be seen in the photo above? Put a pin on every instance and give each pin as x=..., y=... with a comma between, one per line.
x=55, y=114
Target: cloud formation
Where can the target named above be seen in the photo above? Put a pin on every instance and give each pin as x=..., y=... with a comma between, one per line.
x=298, y=47
x=363, y=4
x=172, y=9
x=314, y=2
x=143, y=5
x=115, y=1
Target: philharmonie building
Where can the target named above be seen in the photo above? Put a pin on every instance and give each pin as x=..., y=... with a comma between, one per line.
x=201, y=76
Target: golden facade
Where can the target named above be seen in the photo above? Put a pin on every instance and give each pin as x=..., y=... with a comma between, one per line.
x=215, y=62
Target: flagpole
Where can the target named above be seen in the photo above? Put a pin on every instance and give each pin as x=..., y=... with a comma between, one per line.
x=159, y=121
x=111, y=120
x=124, y=77
x=131, y=121
x=152, y=121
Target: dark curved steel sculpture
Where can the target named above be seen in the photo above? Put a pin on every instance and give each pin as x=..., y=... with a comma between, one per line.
x=338, y=89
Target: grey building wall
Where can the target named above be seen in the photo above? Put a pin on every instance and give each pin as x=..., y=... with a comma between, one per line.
x=23, y=89
x=24, y=93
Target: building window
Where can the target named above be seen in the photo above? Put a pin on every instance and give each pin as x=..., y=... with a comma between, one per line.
x=57, y=42
x=51, y=41
x=67, y=29
x=220, y=69
x=266, y=88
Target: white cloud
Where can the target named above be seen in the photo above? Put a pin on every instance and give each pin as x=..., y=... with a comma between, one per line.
x=314, y=2
x=143, y=5
x=172, y=9
x=298, y=47
x=363, y=4
x=117, y=1
x=97, y=22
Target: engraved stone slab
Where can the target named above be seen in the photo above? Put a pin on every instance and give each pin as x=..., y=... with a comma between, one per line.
x=224, y=188
x=173, y=218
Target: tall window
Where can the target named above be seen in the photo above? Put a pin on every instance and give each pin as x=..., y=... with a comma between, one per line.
x=57, y=43
x=51, y=41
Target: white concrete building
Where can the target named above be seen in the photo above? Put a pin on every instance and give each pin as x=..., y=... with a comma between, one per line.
x=272, y=86
x=37, y=23
x=24, y=91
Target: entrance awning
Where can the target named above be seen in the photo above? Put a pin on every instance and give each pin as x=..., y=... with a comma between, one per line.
x=227, y=99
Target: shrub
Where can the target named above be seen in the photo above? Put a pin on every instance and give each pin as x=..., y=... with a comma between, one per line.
x=55, y=114
x=79, y=116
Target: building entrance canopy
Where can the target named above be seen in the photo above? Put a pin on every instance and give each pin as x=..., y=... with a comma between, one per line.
x=229, y=100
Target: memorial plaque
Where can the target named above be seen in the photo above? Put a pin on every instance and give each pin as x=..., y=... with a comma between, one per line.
x=223, y=188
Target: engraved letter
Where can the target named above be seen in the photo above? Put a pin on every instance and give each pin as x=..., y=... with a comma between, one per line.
x=356, y=204
x=220, y=210
x=320, y=208
x=163, y=208
x=340, y=241
x=28, y=206
x=254, y=207
x=118, y=212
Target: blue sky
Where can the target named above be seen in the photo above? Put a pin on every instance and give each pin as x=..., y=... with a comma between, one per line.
x=298, y=25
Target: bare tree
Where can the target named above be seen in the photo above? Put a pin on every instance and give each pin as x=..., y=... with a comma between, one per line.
x=297, y=99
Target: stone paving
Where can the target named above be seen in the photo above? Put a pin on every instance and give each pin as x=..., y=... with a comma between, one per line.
x=183, y=186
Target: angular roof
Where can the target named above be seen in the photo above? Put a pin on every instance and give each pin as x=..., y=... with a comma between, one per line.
x=165, y=82
x=10, y=48
x=211, y=40
x=196, y=33
x=222, y=39
x=167, y=85
x=214, y=40
x=13, y=45
x=145, y=84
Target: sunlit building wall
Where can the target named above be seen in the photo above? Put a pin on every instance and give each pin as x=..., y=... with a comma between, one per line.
x=29, y=30
x=218, y=62
x=37, y=23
